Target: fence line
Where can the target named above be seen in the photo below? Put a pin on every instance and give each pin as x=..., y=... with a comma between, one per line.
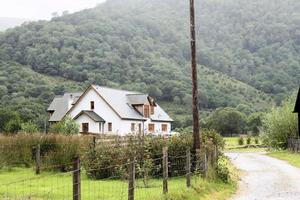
x=134, y=180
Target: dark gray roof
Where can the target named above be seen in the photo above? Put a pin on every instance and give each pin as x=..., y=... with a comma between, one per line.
x=297, y=106
x=137, y=99
x=118, y=100
x=61, y=104
x=91, y=114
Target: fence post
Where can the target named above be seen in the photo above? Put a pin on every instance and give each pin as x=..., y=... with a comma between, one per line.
x=205, y=164
x=188, y=168
x=76, y=179
x=38, y=159
x=165, y=170
x=131, y=179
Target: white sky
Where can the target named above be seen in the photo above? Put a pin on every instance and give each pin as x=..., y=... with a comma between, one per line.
x=42, y=9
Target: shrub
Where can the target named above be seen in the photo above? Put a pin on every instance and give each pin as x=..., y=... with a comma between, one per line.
x=19, y=150
x=280, y=124
x=29, y=127
x=67, y=126
x=241, y=141
x=222, y=170
x=248, y=140
x=256, y=140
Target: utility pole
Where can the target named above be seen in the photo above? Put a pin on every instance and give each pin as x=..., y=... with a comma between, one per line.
x=196, y=129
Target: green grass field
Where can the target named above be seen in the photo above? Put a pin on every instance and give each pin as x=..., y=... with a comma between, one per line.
x=23, y=184
x=292, y=158
x=232, y=145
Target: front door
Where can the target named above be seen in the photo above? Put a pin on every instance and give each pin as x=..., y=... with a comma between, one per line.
x=85, y=127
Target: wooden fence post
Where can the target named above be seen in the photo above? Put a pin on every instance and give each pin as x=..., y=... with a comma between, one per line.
x=76, y=179
x=165, y=170
x=188, y=168
x=38, y=159
x=131, y=179
x=205, y=164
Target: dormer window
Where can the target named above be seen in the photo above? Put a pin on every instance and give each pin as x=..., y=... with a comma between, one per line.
x=146, y=111
x=92, y=105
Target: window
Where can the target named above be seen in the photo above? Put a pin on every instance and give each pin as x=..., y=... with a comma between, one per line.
x=146, y=111
x=152, y=110
x=109, y=126
x=92, y=105
x=164, y=127
x=151, y=127
x=132, y=127
x=85, y=127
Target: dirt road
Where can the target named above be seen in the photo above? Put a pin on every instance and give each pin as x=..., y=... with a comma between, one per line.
x=265, y=178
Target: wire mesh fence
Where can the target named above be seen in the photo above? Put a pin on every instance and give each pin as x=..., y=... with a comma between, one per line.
x=136, y=178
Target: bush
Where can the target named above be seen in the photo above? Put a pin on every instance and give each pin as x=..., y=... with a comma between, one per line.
x=19, y=150
x=29, y=127
x=248, y=140
x=256, y=140
x=222, y=170
x=280, y=124
x=241, y=141
x=67, y=126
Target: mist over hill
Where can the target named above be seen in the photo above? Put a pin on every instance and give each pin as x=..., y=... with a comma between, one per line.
x=247, y=52
x=8, y=22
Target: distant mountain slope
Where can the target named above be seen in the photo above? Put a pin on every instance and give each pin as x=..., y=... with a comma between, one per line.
x=144, y=45
x=8, y=22
x=28, y=92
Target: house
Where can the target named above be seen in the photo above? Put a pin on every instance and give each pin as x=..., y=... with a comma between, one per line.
x=102, y=110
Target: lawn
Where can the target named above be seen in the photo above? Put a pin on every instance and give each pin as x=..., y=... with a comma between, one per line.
x=21, y=183
x=292, y=158
x=232, y=145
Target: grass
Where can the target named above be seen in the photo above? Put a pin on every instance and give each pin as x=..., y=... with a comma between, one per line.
x=290, y=157
x=232, y=145
x=22, y=183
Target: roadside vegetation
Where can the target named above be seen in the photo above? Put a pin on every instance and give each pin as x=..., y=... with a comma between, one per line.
x=290, y=157
x=106, y=168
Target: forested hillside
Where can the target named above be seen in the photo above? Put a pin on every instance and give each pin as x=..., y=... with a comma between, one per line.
x=248, y=51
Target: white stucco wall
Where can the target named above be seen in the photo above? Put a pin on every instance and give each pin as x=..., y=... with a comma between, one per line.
x=119, y=126
x=93, y=126
x=157, y=127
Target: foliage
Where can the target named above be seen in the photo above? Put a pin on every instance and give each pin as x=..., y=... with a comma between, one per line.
x=227, y=121
x=67, y=126
x=241, y=66
x=248, y=140
x=241, y=140
x=29, y=127
x=280, y=124
x=254, y=123
x=56, y=150
x=256, y=140
x=222, y=170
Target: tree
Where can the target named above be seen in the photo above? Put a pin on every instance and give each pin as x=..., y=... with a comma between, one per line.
x=67, y=126
x=280, y=124
x=227, y=121
x=9, y=121
x=254, y=122
x=29, y=127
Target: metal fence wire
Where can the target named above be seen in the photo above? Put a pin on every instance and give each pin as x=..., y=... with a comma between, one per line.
x=144, y=178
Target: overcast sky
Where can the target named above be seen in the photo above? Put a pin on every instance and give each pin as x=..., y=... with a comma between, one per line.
x=42, y=9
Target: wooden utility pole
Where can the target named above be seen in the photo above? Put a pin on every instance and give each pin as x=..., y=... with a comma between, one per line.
x=196, y=129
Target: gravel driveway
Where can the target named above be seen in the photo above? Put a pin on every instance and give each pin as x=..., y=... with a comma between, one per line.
x=265, y=178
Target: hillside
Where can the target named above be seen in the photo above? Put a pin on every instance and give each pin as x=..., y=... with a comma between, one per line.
x=7, y=22
x=248, y=50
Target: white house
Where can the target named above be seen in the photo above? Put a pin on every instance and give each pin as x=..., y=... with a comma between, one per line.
x=102, y=110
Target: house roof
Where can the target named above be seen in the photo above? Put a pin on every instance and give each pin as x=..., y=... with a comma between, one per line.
x=91, y=114
x=297, y=106
x=121, y=102
x=60, y=105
